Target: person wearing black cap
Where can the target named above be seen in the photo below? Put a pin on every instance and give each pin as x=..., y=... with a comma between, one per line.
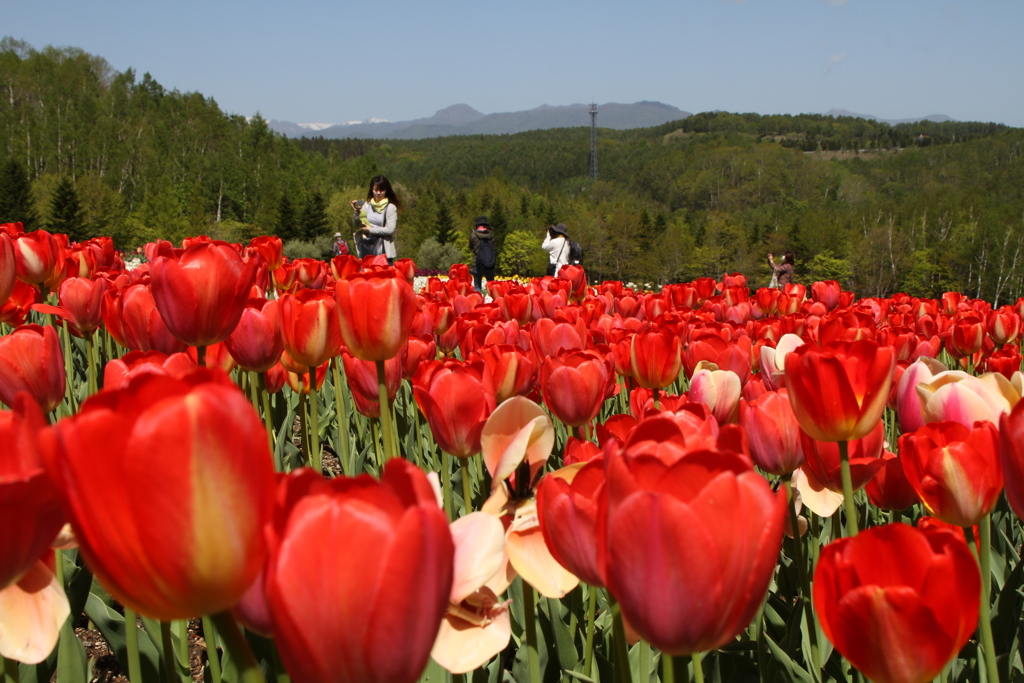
x=557, y=245
x=481, y=241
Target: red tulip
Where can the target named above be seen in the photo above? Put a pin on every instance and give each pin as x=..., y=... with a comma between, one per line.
x=898, y=602
x=201, y=295
x=310, y=272
x=567, y=507
x=889, y=488
x=31, y=361
x=299, y=382
x=190, y=462
x=838, y=392
x=131, y=318
x=456, y=398
x=270, y=248
x=864, y=454
x=1011, y=456
x=119, y=371
x=550, y=337
x=773, y=432
x=416, y=350
x=349, y=628
x=81, y=304
x=362, y=381
x=513, y=371
x=655, y=357
x=954, y=470
x=256, y=343
x=309, y=327
x=39, y=257
x=18, y=307
x=689, y=545
x=8, y=268
x=575, y=384
x=26, y=492
x=376, y=311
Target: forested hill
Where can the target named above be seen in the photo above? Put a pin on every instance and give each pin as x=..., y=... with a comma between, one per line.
x=917, y=207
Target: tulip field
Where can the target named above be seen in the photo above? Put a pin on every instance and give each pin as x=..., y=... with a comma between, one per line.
x=314, y=471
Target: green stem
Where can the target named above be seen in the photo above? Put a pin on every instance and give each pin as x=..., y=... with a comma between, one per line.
x=212, y=656
x=183, y=644
x=467, y=486
x=237, y=648
x=254, y=392
x=314, y=424
x=201, y=356
x=69, y=386
x=805, y=583
x=341, y=413
x=645, y=662
x=848, y=505
x=268, y=422
x=621, y=653
x=170, y=676
x=984, y=615
x=90, y=353
x=304, y=427
x=376, y=447
x=421, y=458
x=131, y=634
x=446, y=485
x=385, y=413
x=11, y=672
x=58, y=571
x=532, y=655
x=698, y=669
x=668, y=669
x=588, y=654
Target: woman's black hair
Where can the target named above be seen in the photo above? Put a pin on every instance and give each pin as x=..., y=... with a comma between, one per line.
x=787, y=258
x=382, y=182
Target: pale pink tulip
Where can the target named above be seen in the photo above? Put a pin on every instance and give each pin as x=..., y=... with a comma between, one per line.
x=719, y=390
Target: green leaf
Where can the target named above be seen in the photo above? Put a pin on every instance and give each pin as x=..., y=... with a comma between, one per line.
x=434, y=673
x=791, y=669
x=111, y=626
x=568, y=658
x=72, y=666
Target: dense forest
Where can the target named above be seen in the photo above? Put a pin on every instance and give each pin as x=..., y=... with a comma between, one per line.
x=921, y=208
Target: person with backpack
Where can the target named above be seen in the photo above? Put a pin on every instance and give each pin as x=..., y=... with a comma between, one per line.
x=340, y=248
x=561, y=250
x=481, y=242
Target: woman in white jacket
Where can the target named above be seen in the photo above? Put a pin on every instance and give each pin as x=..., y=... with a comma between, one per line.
x=379, y=218
x=556, y=243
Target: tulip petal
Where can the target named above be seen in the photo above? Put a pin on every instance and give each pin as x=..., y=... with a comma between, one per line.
x=479, y=552
x=517, y=429
x=818, y=499
x=32, y=613
x=529, y=554
x=461, y=646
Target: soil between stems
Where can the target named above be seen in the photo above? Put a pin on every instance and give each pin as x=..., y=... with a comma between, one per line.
x=105, y=668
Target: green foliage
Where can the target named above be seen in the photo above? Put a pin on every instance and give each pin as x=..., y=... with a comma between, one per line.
x=318, y=248
x=444, y=224
x=522, y=255
x=825, y=266
x=66, y=215
x=16, y=196
x=433, y=255
x=920, y=207
x=314, y=221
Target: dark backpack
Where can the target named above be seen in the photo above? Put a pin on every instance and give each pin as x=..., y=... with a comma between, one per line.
x=485, y=254
x=575, y=253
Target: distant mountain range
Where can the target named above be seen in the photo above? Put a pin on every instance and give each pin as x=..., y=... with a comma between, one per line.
x=937, y=118
x=462, y=119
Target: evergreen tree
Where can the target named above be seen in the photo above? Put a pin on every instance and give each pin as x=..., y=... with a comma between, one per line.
x=444, y=224
x=16, y=196
x=287, y=220
x=314, y=217
x=499, y=223
x=66, y=215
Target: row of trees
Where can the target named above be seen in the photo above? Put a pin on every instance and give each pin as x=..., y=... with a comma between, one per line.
x=920, y=207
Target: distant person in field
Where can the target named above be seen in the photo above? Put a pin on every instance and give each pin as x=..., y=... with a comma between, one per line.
x=782, y=273
x=481, y=241
x=340, y=248
x=557, y=245
x=378, y=218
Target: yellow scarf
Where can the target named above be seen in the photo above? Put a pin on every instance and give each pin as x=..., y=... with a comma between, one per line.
x=380, y=206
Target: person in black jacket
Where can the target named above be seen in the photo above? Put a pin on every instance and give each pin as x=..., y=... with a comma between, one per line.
x=481, y=241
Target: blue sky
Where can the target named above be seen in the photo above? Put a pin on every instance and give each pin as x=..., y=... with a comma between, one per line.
x=320, y=61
